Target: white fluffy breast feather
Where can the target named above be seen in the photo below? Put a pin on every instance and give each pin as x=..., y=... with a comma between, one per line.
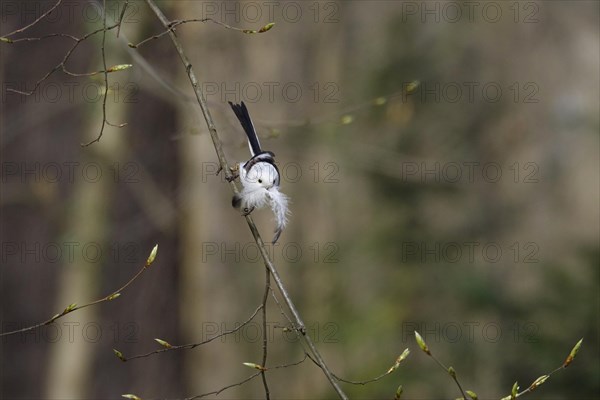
x=257, y=195
x=279, y=204
x=254, y=197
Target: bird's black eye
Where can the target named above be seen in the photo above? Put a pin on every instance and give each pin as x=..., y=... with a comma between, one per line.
x=260, y=181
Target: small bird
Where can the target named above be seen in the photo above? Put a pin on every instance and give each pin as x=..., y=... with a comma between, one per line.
x=259, y=177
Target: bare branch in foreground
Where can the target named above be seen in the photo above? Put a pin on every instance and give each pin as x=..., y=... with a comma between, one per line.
x=515, y=389
x=240, y=383
x=63, y=67
x=173, y=24
x=262, y=370
x=168, y=347
x=41, y=17
x=539, y=381
x=265, y=333
x=74, y=307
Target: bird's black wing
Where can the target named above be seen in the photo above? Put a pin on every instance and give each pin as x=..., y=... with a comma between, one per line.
x=241, y=112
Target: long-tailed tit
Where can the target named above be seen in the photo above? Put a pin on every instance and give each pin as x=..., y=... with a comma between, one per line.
x=259, y=177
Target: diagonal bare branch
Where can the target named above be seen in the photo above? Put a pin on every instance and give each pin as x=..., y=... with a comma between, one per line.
x=74, y=307
x=194, y=345
x=225, y=167
x=41, y=17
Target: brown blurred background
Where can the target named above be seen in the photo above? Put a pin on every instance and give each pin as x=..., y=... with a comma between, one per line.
x=467, y=209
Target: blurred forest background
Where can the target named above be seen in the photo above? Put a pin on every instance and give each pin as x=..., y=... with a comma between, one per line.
x=467, y=209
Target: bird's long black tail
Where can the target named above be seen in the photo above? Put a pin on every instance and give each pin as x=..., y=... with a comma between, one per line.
x=241, y=112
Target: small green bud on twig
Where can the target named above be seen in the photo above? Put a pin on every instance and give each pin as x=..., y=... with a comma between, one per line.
x=452, y=372
x=398, y=393
x=267, y=27
x=472, y=394
x=255, y=366
x=152, y=255
x=5, y=40
x=347, y=119
x=163, y=343
x=380, y=101
x=403, y=356
x=539, y=381
x=119, y=355
x=120, y=67
x=70, y=308
x=422, y=343
x=113, y=296
x=399, y=360
x=573, y=353
x=514, y=391
x=412, y=86
x=131, y=396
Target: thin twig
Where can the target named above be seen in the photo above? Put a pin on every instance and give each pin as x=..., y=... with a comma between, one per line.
x=217, y=392
x=41, y=17
x=290, y=364
x=173, y=24
x=194, y=345
x=105, y=77
x=542, y=379
x=450, y=371
x=47, y=36
x=62, y=64
x=265, y=333
x=453, y=375
x=225, y=166
x=248, y=379
x=281, y=308
x=74, y=307
x=121, y=17
x=364, y=382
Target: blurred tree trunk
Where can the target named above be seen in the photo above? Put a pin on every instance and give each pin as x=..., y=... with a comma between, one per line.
x=207, y=298
x=69, y=370
x=87, y=222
